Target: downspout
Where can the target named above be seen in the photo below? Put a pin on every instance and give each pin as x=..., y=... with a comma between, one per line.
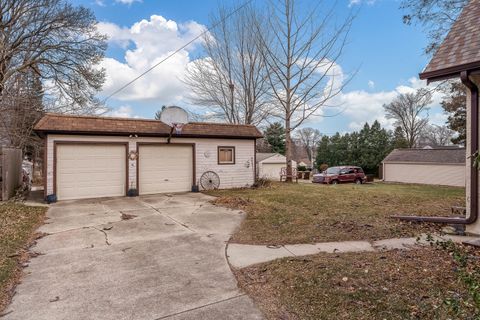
x=464, y=76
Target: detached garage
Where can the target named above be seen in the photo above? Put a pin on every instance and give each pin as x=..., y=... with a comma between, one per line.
x=440, y=166
x=269, y=165
x=94, y=157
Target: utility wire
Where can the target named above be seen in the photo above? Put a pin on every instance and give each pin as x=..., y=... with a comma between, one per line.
x=176, y=51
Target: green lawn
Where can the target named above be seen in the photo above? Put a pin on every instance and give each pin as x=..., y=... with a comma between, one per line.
x=305, y=213
x=17, y=230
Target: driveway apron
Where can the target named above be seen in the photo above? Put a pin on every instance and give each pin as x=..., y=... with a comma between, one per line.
x=150, y=257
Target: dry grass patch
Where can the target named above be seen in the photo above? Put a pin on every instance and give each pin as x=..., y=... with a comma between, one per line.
x=413, y=284
x=305, y=213
x=17, y=231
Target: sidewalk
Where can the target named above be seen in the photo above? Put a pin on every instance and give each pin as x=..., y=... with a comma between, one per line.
x=244, y=255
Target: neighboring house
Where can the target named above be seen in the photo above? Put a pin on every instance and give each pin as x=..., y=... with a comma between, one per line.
x=441, y=166
x=90, y=157
x=269, y=165
x=305, y=163
x=459, y=57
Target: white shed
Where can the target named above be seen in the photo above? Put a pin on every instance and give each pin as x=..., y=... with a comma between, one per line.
x=439, y=166
x=269, y=165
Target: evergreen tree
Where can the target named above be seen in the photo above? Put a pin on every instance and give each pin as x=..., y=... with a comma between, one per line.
x=275, y=136
x=366, y=148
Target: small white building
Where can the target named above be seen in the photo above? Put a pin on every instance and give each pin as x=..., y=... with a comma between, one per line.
x=440, y=166
x=269, y=165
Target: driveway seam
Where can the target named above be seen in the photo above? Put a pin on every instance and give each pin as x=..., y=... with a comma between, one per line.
x=167, y=216
x=201, y=307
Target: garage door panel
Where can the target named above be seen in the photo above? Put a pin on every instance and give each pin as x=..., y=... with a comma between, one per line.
x=165, y=168
x=85, y=171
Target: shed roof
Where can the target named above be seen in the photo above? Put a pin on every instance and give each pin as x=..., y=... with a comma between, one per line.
x=434, y=156
x=262, y=156
x=460, y=50
x=72, y=124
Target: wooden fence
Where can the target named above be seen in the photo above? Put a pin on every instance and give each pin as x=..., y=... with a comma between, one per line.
x=10, y=172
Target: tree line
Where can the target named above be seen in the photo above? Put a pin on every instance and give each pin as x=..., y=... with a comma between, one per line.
x=365, y=148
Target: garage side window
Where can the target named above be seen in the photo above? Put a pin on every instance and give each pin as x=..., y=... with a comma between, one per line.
x=226, y=155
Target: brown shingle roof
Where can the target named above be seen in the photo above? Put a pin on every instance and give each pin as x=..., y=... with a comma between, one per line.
x=434, y=156
x=57, y=123
x=461, y=48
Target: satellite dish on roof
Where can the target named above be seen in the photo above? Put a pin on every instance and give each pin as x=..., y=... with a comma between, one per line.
x=173, y=115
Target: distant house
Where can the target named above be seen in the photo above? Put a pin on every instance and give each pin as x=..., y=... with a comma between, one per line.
x=305, y=163
x=440, y=166
x=269, y=165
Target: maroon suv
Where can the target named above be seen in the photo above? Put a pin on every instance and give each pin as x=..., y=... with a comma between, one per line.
x=335, y=175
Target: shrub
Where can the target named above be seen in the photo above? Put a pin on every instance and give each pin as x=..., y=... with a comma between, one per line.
x=302, y=168
x=262, y=183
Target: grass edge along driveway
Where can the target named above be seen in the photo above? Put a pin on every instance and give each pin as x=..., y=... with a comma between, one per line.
x=17, y=232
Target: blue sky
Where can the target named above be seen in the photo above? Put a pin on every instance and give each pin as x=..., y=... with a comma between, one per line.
x=385, y=55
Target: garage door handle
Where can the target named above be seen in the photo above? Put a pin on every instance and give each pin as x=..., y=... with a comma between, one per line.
x=165, y=180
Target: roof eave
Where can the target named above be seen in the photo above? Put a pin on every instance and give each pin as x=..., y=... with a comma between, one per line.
x=450, y=73
x=159, y=135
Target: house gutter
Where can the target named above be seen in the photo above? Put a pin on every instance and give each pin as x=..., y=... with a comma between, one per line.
x=464, y=76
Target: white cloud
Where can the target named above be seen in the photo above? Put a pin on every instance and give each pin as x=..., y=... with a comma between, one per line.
x=122, y=112
x=362, y=106
x=100, y=3
x=146, y=43
x=371, y=84
x=127, y=2
x=359, y=2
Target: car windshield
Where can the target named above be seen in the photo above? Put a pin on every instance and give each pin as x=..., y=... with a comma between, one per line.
x=333, y=170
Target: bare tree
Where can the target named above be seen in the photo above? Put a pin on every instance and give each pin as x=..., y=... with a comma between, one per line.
x=21, y=111
x=408, y=110
x=436, y=17
x=437, y=136
x=59, y=43
x=309, y=138
x=301, y=56
x=231, y=79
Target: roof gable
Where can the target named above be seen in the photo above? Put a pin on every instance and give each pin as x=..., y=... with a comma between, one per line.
x=461, y=48
x=70, y=124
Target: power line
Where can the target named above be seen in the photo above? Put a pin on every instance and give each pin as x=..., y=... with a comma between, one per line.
x=177, y=51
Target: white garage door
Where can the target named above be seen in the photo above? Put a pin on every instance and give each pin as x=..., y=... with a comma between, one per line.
x=90, y=171
x=271, y=170
x=165, y=168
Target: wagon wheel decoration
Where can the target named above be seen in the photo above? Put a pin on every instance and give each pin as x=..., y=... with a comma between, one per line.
x=210, y=180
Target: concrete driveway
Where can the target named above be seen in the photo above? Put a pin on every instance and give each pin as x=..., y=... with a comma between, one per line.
x=165, y=259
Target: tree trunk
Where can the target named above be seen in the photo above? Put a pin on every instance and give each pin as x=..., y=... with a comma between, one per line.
x=288, y=151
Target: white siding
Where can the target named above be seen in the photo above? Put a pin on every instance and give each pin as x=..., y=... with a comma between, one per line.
x=447, y=175
x=240, y=174
x=270, y=168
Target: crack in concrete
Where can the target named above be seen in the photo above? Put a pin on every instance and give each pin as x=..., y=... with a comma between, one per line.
x=167, y=216
x=105, y=233
x=201, y=307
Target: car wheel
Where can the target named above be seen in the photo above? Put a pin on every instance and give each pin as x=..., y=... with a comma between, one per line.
x=358, y=181
x=334, y=182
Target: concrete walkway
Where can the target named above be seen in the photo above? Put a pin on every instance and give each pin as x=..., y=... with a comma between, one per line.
x=242, y=255
x=151, y=257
